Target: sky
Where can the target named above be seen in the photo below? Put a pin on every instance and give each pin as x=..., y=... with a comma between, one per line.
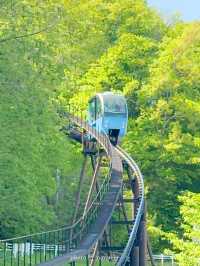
x=189, y=9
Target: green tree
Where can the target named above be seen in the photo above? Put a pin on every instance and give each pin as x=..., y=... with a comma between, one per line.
x=165, y=138
x=187, y=247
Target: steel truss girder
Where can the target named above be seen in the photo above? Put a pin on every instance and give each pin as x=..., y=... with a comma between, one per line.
x=138, y=253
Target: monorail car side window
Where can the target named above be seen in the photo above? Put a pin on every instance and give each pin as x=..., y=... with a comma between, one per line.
x=98, y=108
x=92, y=109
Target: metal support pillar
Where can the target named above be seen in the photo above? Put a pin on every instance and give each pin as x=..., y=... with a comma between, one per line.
x=135, y=253
x=142, y=241
x=136, y=256
x=96, y=164
x=150, y=252
x=106, y=239
x=94, y=181
x=124, y=213
x=132, y=184
x=93, y=161
x=78, y=195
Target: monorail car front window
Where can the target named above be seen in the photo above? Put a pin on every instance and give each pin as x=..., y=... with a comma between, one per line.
x=114, y=104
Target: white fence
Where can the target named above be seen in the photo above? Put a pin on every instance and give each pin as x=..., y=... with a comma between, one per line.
x=30, y=248
x=164, y=260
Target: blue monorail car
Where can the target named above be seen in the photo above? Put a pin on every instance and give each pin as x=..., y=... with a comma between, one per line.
x=108, y=113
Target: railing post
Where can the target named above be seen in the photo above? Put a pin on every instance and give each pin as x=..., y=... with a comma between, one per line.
x=172, y=260
x=162, y=259
x=4, y=254
x=11, y=255
x=18, y=259
x=87, y=260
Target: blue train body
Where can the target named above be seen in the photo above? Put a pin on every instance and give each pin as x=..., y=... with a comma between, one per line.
x=108, y=113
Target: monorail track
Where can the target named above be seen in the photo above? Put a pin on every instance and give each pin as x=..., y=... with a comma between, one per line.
x=117, y=156
x=85, y=235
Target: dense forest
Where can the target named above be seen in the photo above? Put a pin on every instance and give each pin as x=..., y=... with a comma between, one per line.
x=58, y=51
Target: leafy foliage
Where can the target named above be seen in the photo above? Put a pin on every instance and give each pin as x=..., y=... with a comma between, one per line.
x=164, y=138
x=187, y=248
x=55, y=52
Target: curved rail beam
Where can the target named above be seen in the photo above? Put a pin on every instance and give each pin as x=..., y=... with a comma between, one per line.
x=132, y=164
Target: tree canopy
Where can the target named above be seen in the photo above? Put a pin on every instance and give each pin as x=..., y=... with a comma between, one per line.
x=56, y=52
